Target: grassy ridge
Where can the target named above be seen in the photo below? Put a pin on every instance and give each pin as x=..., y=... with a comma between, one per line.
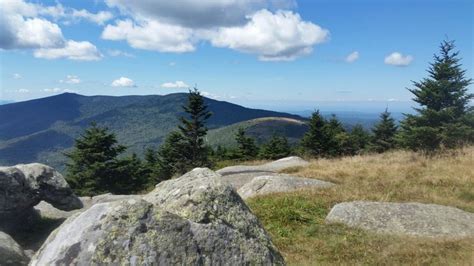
x=296, y=220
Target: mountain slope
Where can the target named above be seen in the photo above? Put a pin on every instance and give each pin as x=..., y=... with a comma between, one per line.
x=261, y=129
x=40, y=130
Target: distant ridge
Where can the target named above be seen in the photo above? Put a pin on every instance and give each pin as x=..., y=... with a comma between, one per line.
x=41, y=130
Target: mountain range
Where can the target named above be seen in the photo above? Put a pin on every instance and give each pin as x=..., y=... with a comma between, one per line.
x=41, y=130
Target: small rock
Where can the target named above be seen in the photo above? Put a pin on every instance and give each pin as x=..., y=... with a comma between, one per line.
x=267, y=184
x=10, y=252
x=415, y=219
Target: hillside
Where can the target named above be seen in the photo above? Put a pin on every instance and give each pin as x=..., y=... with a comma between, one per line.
x=40, y=130
x=296, y=220
x=261, y=129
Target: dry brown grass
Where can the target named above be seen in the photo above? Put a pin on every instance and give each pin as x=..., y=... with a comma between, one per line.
x=296, y=220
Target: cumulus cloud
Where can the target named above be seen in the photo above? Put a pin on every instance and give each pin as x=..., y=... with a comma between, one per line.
x=175, y=85
x=17, y=76
x=82, y=51
x=398, y=59
x=99, y=18
x=123, y=82
x=250, y=26
x=71, y=79
x=151, y=35
x=352, y=57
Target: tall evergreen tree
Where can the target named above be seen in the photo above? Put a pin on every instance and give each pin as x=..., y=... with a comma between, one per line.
x=93, y=161
x=359, y=139
x=314, y=140
x=444, y=118
x=384, y=133
x=246, y=145
x=170, y=158
x=193, y=130
x=336, y=137
x=276, y=148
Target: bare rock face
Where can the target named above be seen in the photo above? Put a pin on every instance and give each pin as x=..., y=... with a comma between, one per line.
x=193, y=220
x=415, y=219
x=25, y=185
x=267, y=184
x=10, y=252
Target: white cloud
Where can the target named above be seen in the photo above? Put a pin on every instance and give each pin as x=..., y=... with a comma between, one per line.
x=52, y=90
x=172, y=64
x=81, y=51
x=69, y=91
x=352, y=57
x=392, y=100
x=280, y=36
x=17, y=76
x=398, y=59
x=99, y=18
x=123, y=82
x=71, y=79
x=23, y=91
x=175, y=85
x=114, y=52
x=151, y=35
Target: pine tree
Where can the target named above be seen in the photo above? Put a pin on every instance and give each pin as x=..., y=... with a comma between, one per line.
x=359, y=139
x=93, y=161
x=246, y=145
x=130, y=176
x=336, y=138
x=444, y=118
x=384, y=133
x=276, y=148
x=193, y=130
x=170, y=160
x=314, y=140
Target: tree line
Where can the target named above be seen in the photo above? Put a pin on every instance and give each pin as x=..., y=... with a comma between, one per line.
x=443, y=120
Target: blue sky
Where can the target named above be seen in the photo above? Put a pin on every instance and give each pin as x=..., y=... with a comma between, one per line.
x=277, y=54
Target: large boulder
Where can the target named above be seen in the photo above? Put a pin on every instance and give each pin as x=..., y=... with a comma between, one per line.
x=25, y=185
x=275, y=166
x=10, y=252
x=415, y=219
x=267, y=184
x=239, y=175
x=194, y=219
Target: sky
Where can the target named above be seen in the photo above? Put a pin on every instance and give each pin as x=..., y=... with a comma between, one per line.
x=275, y=54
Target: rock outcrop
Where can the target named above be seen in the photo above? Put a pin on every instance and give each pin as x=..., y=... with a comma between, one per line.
x=415, y=219
x=267, y=184
x=25, y=185
x=194, y=219
x=10, y=252
x=239, y=175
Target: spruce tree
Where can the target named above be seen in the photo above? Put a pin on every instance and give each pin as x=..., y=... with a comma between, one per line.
x=336, y=138
x=444, y=118
x=170, y=160
x=246, y=145
x=384, y=133
x=314, y=140
x=193, y=130
x=276, y=148
x=92, y=163
x=359, y=139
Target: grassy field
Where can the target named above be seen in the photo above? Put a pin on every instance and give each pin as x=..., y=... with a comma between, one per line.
x=296, y=220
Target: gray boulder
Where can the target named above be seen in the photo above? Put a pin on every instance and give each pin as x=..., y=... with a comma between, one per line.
x=46, y=210
x=267, y=184
x=415, y=219
x=10, y=252
x=25, y=185
x=275, y=166
x=194, y=219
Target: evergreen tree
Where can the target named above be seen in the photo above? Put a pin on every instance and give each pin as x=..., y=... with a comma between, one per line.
x=384, y=133
x=359, y=139
x=277, y=147
x=314, y=140
x=170, y=158
x=92, y=163
x=444, y=116
x=246, y=145
x=193, y=130
x=336, y=137
x=130, y=176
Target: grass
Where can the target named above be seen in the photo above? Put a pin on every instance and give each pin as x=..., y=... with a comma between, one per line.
x=296, y=220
